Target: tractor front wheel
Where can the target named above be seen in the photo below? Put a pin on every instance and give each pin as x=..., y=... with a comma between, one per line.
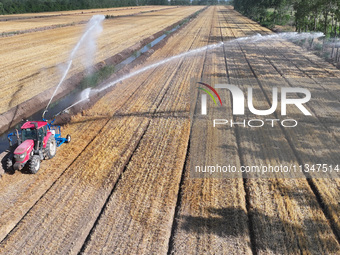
x=51, y=148
x=9, y=163
x=34, y=164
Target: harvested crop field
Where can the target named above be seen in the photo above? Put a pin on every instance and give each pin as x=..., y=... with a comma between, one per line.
x=125, y=184
x=15, y=24
x=32, y=62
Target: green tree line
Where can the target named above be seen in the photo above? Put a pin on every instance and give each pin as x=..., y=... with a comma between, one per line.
x=308, y=15
x=25, y=6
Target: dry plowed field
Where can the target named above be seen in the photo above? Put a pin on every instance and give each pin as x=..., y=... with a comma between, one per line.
x=124, y=184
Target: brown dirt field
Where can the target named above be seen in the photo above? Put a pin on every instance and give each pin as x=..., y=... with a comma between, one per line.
x=125, y=184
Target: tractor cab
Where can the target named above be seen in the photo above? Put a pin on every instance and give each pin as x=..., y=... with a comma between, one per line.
x=35, y=131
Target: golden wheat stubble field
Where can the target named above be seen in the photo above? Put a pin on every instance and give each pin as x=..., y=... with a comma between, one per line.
x=33, y=62
x=129, y=119
x=316, y=141
x=119, y=10
x=124, y=184
x=284, y=214
x=24, y=23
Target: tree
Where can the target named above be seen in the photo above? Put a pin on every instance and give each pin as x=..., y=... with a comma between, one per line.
x=158, y=2
x=2, y=10
x=180, y=2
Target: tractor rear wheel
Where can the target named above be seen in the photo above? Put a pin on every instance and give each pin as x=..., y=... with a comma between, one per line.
x=34, y=164
x=9, y=163
x=51, y=148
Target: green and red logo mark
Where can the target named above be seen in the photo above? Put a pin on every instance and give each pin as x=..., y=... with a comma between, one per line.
x=204, y=96
x=208, y=92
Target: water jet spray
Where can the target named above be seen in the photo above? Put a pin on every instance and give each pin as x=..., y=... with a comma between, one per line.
x=242, y=40
x=94, y=27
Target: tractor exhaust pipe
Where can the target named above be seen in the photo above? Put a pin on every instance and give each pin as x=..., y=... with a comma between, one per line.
x=37, y=135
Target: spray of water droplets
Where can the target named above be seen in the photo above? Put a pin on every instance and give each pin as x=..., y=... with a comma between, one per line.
x=93, y=28
x=292, y=36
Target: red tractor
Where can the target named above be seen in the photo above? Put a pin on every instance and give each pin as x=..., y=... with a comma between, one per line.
x=38, y=140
